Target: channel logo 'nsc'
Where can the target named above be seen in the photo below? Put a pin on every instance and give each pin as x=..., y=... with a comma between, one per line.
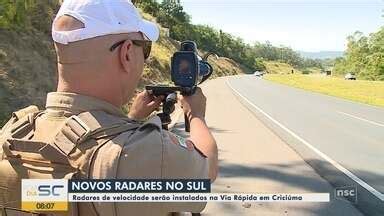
x=346, y=193
x=44, y=194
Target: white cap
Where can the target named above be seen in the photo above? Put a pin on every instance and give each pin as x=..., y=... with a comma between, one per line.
x=102, y=17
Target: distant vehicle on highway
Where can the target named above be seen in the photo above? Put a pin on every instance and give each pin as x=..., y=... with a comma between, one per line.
x=259, y=73
x=350, y=76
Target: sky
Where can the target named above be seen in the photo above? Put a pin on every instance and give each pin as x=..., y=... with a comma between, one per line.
x=304, y=25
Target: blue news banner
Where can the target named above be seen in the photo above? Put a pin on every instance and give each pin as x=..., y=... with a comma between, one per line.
x=138, y=190
x=139, y=186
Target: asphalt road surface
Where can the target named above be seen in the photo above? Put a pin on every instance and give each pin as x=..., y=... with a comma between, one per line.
x=253, y=159
x=348, y=133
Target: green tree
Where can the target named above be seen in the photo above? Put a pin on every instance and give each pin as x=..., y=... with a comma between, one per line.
x=27, y=14
x=149, y=6
x=364, y=56
x=172, y=13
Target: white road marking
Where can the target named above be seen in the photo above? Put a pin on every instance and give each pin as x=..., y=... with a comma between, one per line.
x=324, y=156
x=362, y=119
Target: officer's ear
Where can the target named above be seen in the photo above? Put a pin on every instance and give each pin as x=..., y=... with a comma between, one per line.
x=126, y=54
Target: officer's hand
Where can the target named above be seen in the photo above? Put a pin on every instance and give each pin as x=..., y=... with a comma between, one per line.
x=194, y=105
x=143, y=105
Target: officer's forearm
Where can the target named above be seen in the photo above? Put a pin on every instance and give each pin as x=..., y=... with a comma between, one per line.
x=204, y=141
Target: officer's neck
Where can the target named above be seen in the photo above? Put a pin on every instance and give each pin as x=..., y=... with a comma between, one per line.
x=105, y=92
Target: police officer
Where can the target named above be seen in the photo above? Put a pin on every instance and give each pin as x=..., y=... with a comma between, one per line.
x=101, y=47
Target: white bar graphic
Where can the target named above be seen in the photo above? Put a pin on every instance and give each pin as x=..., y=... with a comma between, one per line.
x=197, y=197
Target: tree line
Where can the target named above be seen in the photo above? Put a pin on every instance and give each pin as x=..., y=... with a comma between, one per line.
x=170, y=14
x=28, y=14
x=37, y=14
x=364, y=56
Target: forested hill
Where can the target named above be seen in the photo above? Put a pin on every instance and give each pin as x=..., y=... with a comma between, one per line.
x=170, y=14
x=364, y=55
x=28, y=62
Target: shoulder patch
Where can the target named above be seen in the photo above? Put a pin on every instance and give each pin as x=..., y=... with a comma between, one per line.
x=178, y=140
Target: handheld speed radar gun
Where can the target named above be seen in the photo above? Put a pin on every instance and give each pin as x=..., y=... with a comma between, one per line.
x=188, y=70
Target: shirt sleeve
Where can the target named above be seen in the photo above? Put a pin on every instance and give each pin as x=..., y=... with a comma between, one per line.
x=181, y=159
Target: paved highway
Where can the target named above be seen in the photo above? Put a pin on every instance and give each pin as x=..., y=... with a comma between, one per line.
x=347, y=133
x=253, y=159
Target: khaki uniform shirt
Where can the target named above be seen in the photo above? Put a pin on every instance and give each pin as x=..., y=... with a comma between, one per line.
x=149, y=153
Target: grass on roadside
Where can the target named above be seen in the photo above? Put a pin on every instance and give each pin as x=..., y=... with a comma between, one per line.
x=369, y=92
x=274, y=67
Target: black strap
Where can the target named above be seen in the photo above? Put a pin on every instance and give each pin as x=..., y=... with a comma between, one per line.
x=88, y=125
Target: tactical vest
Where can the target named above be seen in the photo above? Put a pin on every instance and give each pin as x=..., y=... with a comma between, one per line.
x=70, y=155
